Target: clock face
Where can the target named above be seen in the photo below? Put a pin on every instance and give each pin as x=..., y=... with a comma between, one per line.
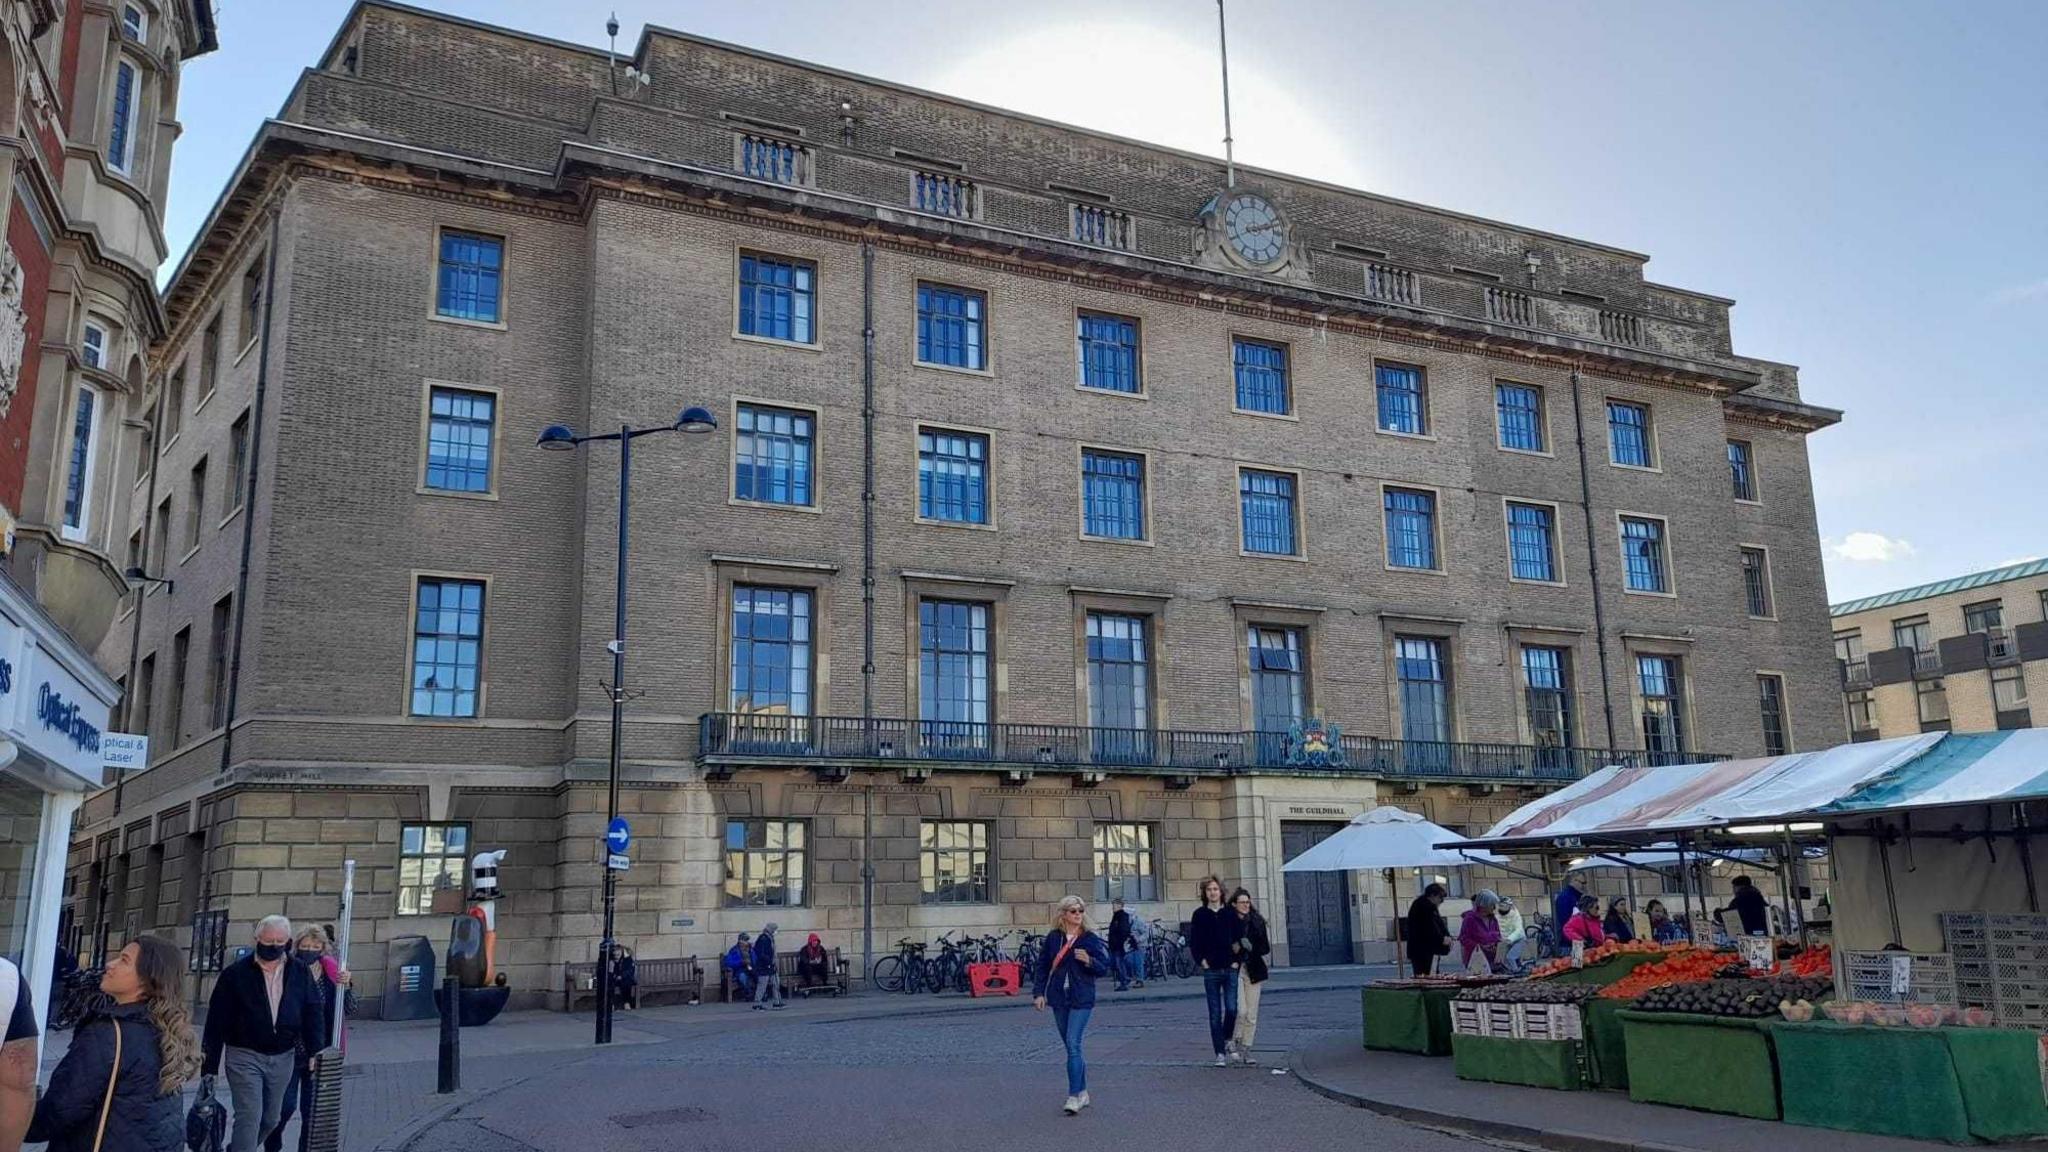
x=1254, y=228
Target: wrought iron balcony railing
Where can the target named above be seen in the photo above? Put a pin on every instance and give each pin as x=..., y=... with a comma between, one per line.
x=735, y=737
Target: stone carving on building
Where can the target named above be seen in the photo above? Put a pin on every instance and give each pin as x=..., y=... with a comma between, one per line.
x=13, y=328
x=1316, y=743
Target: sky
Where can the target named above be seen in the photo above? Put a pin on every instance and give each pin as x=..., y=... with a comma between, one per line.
x=1864, y=178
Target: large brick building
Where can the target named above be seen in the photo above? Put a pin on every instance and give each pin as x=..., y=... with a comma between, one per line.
x=1964, y=654
x=1091, y=478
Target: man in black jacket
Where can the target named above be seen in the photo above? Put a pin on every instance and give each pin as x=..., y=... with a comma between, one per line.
x=1120, y=946
x=265, y=1018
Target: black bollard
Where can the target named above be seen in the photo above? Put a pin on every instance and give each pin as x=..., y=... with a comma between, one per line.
x=451, y=1035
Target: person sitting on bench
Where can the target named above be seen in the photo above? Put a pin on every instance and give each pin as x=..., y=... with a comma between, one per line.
x=813, y=965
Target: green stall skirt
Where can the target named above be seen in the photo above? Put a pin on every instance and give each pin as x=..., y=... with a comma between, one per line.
x=1414, y=1020
x=1536, y=1063
x=1704, y=1062
x=1890, y=1081
x=1606, y=1039
x=2000, y=1073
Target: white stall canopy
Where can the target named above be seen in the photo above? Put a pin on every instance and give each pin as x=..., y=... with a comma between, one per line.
x=1388, y=838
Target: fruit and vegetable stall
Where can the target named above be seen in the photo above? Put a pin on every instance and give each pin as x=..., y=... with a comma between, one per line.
x=1926, y=1016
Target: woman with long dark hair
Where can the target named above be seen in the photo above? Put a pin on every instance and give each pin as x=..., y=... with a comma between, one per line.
x=1253, y=946
x=120, y=1084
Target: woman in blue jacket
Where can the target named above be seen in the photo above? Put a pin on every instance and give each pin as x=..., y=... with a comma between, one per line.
x=1068, y=962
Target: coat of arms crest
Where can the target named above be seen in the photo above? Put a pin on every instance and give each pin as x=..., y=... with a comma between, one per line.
x=1315, y=742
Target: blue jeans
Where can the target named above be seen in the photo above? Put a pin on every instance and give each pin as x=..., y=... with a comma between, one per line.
x=1125, y=964
x=1221, y=990
x=1072, y=1022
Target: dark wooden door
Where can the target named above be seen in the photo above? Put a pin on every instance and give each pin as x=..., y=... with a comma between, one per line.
x=1318, y=903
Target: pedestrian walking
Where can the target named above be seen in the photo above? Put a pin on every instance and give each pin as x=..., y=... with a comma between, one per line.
x=767, y=981
x=120, y=1087
x=1253, y=946
x=1428, y=935
x=18, y=1054
x=330, y=980
x=1211, y=934
x=263, y=1022
x=1141, y=946
x=739, y=963
x=1069, y=961
x=1120, y=945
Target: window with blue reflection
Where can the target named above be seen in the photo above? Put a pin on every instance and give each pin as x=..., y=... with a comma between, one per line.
x=771, y=651
x=1628, y=434
x=1113, y=495
x=772, y=455
x=1411, y=528
x=1261, y=370
x=1532, y=545
x=447, y=647
x=1402, y=408
x=1108, y=352
x=1521, y=416
x=471, y=278
x=951, y=326
x=459, y=428
x=1642, y=554
x=1266, y=504
x=776, y=298
x=952, y=476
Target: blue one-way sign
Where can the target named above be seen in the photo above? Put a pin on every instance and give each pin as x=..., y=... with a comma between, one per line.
x=617, y=836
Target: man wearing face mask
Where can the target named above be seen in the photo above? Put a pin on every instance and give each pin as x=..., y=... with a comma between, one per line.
x=263, y=1022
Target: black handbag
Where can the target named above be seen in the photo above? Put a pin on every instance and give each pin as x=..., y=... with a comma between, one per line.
x=206, y=1124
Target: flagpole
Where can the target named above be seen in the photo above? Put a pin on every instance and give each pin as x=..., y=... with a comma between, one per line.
x=1223, y=44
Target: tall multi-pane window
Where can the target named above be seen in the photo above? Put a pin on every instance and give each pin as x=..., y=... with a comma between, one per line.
x=1984, y=616
x=953, y=681
x=1913, y=632
x=1660, y=682
x=952, y=327
x=1642, y=554
x=217, y=662
x=1411, y=528
x=1279, y=680
x=238, y=461
x=174, y=697
x=1520, y=408
x=1862, y=705
x=1546, y=680
x=448, y=647
x=92, y=346
x=126, y=115
x=471, y=281
x=1756, y=581
x=1770, y=692
x=771, y=651
x=174, y=405
x=1267, y=513
x=764, y=863
x=252, y=299
x=1532, y=542
x=777, y=298
x=1742, y=469
x=1119, y=671
x=1932, y=696
x=78, y=468
x=1425, y=689
x=1402, y=400
x=195, y=505
x=143, y=714
x=430, y=857
x=209, y=355
x=134, y=23
x=952, y=476
x=952, y=862
x=460, y=424
x=1108, y=352
x=1113, y=495
x=1628, y=434
x=772, y=454
x=1123, y=863
x=1262, y=377
x=2008, y=688
x=160, y=536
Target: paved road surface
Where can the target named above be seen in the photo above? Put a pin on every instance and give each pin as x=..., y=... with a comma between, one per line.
x=986, y=1080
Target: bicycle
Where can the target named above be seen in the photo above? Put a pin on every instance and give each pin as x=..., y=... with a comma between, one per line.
x=79, y=997
x=1167, y=954
x=1027, y=958
x=903, y=972
x=948, y=971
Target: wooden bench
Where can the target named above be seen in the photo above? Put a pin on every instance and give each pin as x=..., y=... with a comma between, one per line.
x=684, y=978
x=837, y=979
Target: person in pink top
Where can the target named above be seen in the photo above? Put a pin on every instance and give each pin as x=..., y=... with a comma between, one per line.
x=1479, y=930
x=331, y=981
x=1585, y=924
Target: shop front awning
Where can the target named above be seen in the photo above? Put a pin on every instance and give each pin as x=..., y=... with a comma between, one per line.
x=1968, y=769
x=1638, y=807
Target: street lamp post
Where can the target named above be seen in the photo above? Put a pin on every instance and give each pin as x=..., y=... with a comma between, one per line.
x=560, y=438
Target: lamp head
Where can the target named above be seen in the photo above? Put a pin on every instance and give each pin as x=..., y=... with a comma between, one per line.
x=134, y=573
x=611, y=26
x=557, y=438
x=696, y=420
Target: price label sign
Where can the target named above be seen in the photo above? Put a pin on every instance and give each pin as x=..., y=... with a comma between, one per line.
x=1578, y=953
x=1902, y=975
x=1759, y=952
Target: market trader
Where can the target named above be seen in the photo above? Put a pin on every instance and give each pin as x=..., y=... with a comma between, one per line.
x=1749, y=904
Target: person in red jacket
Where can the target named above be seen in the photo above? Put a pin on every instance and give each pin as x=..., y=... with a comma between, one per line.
x=1585, y=923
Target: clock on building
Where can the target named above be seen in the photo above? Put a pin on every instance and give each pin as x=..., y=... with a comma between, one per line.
x=1255, y=230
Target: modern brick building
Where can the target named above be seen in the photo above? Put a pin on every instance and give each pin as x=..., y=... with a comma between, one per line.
x=1964, y=654
x=88, y=119
x=1062, y=489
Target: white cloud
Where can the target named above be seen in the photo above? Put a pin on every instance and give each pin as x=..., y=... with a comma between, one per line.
x=1868, y=548
x=2021, y=293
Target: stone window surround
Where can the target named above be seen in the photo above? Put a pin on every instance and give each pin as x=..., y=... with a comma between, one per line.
x=434, y=313
x=976, y=283
x=1144, y=455
x=1424, y=392
x=1664, y=539
x=1571, y=640
x=1770, y=583
x=1150, y=605
x=483, y=656
x=1651, y=442
x=1445, y=631
x=810, y=576
x=1784, y=707
x=815, y=258
x=817, y=470
x=988, y=471
x=1557, y=565
x=1296, y=507
x=1542, y=418
x=1305, y=619
x=919, y=587
x=1634, y=644
x=1117, y=309
x=497, y=395
x=988, y=853
x=1436, y=528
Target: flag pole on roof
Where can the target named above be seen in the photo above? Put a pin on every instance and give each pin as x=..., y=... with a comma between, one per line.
x=1223, y=49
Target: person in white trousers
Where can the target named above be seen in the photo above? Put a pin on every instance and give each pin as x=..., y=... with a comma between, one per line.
x=1253, y=946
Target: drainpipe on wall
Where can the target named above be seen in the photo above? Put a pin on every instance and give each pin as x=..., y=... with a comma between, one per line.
x=867, y=601
x=1593, y=560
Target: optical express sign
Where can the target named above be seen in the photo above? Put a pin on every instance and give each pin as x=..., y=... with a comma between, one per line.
x=45, y=708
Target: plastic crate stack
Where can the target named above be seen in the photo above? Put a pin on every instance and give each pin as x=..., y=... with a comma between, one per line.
x=1517, y=1021
x=1967, y=935
x=2019, y=968
x=1551, y=1022
x=1868, y=976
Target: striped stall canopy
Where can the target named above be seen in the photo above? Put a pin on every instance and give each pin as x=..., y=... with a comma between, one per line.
x=1624, y=804
x=1973, y=768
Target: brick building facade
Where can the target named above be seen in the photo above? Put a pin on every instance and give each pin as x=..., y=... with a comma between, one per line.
x=1060, y=488
x=1966, y=654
